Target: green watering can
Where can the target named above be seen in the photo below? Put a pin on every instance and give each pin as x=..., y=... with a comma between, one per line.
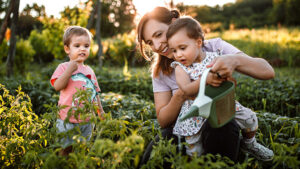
x=216, y=104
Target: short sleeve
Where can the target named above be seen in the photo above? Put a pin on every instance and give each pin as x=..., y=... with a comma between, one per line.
x=94, y=79
x=164, y=83
x=159, y=85
x=57, y=73
x=175, y=63
x=219, y=45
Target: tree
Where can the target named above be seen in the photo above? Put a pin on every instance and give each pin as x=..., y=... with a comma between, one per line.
x=13, y=40
x=98, y=33
x=6, y=20
x=117, y=16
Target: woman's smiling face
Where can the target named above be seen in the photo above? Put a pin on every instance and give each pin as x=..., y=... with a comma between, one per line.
x=155, y=36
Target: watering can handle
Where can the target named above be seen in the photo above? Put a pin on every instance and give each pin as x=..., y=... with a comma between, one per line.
x=203, y=82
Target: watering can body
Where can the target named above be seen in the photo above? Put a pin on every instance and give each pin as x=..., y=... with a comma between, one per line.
x=216, y=104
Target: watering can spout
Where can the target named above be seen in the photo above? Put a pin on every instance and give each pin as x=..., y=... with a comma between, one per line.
x=200, y=107
x=194, y=111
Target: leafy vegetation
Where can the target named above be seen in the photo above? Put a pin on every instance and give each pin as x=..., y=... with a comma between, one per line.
x=130, y=124
x=279, y=46
x=246, y=13
x=28, y=103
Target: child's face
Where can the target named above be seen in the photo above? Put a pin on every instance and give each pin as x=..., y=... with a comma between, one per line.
x=79, y=47
x=185, y=50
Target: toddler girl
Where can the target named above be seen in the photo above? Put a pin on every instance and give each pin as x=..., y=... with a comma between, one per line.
x=185, y=39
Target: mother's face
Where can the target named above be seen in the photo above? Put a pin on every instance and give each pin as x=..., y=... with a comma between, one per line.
x=154, y=34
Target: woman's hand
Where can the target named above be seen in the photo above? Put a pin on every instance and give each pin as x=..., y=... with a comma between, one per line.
x=214, y=80
x=257, y=68
x=223, y=66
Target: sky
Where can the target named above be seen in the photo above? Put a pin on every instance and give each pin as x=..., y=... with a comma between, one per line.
x=53, y=7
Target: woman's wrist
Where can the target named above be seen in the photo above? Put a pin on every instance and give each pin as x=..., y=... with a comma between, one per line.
x=235, y=61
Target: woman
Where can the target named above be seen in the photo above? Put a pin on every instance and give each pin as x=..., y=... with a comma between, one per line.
x=168, y=99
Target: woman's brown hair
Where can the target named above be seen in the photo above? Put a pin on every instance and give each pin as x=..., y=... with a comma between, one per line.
x=164, y=15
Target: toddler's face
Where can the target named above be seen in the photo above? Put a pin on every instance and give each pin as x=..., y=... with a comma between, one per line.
x=185, y=50
x=79, y=47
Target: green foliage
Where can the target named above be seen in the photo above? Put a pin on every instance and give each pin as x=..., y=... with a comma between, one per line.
x=282, y=133
x=24, y=55
x=284, y=11
x=280, y=95
x=117, y=16
x=27, y=23
x=40, y=92
x=119, y=47
x=115, y=81
x=53, y=31
x=247, y=13
x=38, y=42
x=130, y=124
x=21, y=130
x=279, y=46
x=122, y=49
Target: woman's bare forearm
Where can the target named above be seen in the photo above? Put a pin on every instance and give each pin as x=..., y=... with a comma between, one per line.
x=168, y=107
x=257, y=68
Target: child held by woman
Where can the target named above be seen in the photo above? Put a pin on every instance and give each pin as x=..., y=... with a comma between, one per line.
x=185, y=39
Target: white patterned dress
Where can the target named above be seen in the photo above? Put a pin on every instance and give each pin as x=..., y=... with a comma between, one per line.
x=192, y=125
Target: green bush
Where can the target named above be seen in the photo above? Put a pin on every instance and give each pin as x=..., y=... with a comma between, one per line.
x=40, y=92
x=39, y=41
x=137, y=81
x=121, y=50
x=54, y=31
x=24, y=55
x=120, y=139
x=280, y=95
x=21, y=131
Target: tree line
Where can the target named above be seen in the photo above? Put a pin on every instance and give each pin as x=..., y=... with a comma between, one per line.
x=247, y=13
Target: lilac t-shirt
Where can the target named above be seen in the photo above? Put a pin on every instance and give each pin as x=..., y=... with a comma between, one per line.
x=165, y=83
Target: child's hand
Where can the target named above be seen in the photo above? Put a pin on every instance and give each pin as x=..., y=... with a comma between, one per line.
x=214, y=80
x=73, y=65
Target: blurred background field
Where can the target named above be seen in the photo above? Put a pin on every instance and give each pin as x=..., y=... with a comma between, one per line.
x=268, y=29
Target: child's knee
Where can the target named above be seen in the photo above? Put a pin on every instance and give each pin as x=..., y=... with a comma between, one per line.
x=251, y=122
x=247, y=120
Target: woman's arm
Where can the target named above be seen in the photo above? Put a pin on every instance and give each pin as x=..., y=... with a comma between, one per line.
x=255, y=67
x=168, y=106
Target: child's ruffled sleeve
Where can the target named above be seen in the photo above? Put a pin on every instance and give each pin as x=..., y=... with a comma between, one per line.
x=175, y=63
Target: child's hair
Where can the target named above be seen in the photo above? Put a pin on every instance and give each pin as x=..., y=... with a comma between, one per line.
x=192, y=26
x=75, y=30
